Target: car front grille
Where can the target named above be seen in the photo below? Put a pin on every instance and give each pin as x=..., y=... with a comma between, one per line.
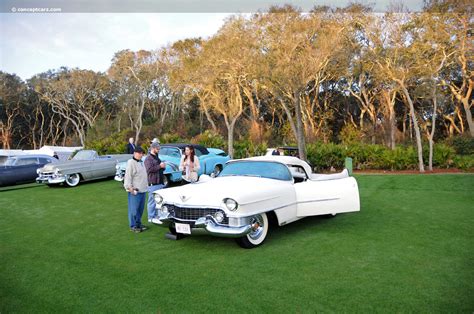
x=120, y=173
x=194, y=214
x=46, y=175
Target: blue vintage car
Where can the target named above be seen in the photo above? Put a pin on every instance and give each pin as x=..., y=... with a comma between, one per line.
x=23, y=168
x=212, y=160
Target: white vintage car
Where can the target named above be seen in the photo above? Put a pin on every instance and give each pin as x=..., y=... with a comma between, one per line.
x=249, y=193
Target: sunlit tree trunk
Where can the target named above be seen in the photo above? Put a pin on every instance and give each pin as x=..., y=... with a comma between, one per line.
x=299, y=126
x=415, y=126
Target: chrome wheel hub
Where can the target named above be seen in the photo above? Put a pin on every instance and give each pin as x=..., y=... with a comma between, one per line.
x=257, y=227
x=73, y=179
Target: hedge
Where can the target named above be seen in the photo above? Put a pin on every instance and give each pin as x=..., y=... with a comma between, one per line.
x=324, y=156
x=366, y=156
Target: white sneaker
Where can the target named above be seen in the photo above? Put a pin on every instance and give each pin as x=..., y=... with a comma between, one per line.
x=156, y=221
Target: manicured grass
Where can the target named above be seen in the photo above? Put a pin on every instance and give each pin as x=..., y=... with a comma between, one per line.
x=410, y=249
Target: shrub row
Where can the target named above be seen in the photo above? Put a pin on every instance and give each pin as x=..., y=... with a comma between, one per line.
x=462, y=144
x=324, y=156
x=365, y=156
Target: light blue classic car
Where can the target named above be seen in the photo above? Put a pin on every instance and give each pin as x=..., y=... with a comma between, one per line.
x=212, y=161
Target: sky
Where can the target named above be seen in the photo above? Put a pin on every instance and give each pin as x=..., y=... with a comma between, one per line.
x=35, y=43
x=31, y=43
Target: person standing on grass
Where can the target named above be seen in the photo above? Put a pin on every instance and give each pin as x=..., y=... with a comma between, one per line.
x=154, y=140
x=154, y=169
x=189, y=164
x=136, y=184
x=130, y=146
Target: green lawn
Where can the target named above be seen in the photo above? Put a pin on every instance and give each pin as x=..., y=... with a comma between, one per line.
x=410, y=249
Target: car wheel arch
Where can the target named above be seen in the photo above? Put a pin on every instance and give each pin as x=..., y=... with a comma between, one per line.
x=273, y=219
x=219, y=166
x=81, y=179
x=258, y=235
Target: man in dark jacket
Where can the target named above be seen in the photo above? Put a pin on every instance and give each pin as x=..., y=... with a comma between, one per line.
x=130, y=146
x=154, y=168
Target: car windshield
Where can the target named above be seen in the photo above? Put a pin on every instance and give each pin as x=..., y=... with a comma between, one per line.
x=263, y=169
x=10, y=162
x=84, y=155
x=170, y=151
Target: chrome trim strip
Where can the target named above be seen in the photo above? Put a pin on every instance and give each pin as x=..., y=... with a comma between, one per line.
x=319, y=200
x=262, y=200
x=192, y=206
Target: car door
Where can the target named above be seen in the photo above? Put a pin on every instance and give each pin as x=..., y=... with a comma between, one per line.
x=103, y=166
x=25, y=169
x=91, y=168
x=85, y=170
x=108, y=167
x=321, y=197
x=8, y=174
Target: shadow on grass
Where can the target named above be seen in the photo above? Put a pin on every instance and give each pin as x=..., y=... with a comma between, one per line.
x=276, y=233
x=293, y=230
x=20, y=187
x=83, y=183
x=98, y=180
x=54, y=186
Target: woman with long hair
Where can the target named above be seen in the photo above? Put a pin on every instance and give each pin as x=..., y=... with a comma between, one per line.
x=189, y=164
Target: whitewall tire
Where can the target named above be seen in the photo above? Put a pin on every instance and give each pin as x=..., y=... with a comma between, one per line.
x=260, y=227
x=217, y=170
x=73, y=179
x=166, y=181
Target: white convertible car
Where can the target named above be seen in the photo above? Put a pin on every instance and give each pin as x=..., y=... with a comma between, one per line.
x=248, y=193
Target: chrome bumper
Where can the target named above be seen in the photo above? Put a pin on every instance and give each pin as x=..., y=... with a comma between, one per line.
x=50, y=180
x=207, y=225
x=118, y=178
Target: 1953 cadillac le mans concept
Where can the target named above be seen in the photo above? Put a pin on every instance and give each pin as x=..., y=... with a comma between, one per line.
x=85, y=165
x=248, y=193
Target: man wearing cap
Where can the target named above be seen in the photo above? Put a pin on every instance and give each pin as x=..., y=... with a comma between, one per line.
x=136, y=184
x=154, y=140
x=154, y=168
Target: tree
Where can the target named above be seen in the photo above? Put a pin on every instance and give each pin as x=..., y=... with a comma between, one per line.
x=12, y=100
x=298, y=51
x=223, y=74
x=39, y=121
x=186, y=71
x=134, y=77
x=432, y=41
x=462, y=25
x=399, y=59
x=77, y=96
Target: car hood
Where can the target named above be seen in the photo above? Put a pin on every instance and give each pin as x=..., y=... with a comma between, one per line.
x=251, y=193
x=65, y=165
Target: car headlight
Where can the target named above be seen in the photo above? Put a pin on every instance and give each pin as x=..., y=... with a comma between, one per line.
x=38, y=171
x=158, y=200
x=219, y=216
x=164, y=209
x=231, y=204
x=117, y=167
x=56, y=171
